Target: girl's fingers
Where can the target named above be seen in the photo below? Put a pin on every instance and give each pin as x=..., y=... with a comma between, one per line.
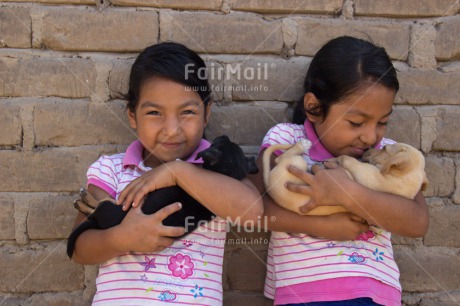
x=135, y=195
x=173, y=231
x=357, y=218
x=126, y=199
x=129, y=190
x=363, y=228
x=125, y=192
x=138, y=194
x=307, y=207
x=167, y=210
x=303, y=175
x=121, y=197
x=316, y=168
x=304, y=189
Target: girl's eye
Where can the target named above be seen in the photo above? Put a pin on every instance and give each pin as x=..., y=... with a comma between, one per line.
x=355, y=124
x=188, y=112
x=383, y=123
x=154, y=113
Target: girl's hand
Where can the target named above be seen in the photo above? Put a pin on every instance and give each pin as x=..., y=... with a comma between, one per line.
x=326, y=187
x=342, y=227
x=139, y=232
x=160, y=177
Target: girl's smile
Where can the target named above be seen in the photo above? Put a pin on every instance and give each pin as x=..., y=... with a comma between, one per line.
x=171, y=145
x=169, y=120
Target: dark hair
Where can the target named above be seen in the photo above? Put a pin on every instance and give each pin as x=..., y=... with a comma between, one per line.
x=339, y=68
x=172, y=61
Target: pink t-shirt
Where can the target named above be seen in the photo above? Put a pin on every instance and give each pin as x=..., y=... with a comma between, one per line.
x=302, y=269
x=189, y=272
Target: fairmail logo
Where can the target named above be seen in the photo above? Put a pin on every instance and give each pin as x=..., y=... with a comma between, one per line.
x=234, y=71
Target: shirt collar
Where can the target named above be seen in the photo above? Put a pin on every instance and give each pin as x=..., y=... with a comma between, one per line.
x=133, y=155
x=317, y=151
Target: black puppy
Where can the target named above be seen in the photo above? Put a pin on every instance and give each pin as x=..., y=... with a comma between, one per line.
x=222, y=156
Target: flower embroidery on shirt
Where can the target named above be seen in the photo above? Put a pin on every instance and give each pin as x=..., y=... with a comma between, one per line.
x=187, y=243
x=144, y=278
x=197, y=291
x=181, y=265
x=378, y=255
x=149, y=263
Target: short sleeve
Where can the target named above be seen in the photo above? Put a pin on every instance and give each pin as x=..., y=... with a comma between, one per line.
x=282, y=133
x=102, y=174
x=385, y=142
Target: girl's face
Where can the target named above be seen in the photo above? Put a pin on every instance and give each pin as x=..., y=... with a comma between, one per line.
x=169, y=120
x=358, y=123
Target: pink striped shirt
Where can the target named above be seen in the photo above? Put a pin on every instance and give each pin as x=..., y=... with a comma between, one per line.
x=189, y=272
x=302, y=269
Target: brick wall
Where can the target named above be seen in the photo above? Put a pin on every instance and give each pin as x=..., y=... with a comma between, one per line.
x=64, y=63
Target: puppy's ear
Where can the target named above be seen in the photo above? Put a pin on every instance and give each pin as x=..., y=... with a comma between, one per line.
x=252, y=167
x=210, y=156
x=397, y=163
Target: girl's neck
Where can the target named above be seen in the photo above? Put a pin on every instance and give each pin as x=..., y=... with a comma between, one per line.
x=150, y=160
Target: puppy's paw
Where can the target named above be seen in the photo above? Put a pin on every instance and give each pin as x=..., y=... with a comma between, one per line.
x=83, y=207
x=88, y=199
x=341, y=160
x=331, y=161
x=86, y=204
x=348, y=160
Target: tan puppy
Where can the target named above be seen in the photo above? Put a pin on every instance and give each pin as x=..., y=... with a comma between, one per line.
x=397, y=169
x=276, y=178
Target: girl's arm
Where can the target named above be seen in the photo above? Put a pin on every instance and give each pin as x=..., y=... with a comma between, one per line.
x=137, y=232
x=394, y=213
x=223, y=195
x=343, y=226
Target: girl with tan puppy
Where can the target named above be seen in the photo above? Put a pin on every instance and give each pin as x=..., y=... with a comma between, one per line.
x=349, y=93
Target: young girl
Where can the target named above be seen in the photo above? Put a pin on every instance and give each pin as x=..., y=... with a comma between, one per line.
x=140, y=262
x=350, y=88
